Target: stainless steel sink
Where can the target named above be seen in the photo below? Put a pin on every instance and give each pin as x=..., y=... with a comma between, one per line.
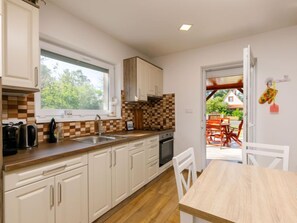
x=94, y=140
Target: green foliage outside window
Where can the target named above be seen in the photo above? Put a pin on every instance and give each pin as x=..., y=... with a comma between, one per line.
x=238, y=113
x=68, y=90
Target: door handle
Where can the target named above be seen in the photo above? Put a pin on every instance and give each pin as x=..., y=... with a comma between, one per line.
x=36, y=76
x=110, y=159
x=138, y=144
x=52, y=196
x=115, y=158
x=155, y=163
x=131, y=162
x=48, y=172
x=59, y=193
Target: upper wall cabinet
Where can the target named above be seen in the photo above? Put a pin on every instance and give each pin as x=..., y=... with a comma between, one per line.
x=21, y=46
x=142, y=80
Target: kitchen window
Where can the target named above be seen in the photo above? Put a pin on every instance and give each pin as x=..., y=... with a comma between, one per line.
x=73, y=87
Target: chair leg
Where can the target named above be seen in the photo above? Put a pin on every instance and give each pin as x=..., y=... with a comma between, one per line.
x=186, y=218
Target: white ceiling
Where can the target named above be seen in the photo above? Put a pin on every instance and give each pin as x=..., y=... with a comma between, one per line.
x=151, y=26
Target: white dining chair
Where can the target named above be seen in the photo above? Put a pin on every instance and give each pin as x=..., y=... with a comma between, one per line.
x=181, y=162
x=277, y=152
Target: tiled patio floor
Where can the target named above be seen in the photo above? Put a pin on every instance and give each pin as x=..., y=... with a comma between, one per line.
x=232, y=153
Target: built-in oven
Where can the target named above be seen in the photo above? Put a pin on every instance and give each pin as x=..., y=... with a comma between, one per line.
x=166, y=148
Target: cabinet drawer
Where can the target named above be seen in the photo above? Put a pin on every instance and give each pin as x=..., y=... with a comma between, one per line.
x=24, y=176
x=152, y=140
x=152, y=170
x=152, y=152
x=137, y=144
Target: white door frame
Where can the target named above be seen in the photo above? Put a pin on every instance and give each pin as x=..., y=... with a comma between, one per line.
x=204, y=70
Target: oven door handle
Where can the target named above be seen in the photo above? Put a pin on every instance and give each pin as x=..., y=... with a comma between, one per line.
x=166, y=141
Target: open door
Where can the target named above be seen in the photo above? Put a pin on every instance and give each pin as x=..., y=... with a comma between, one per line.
x=249, y=85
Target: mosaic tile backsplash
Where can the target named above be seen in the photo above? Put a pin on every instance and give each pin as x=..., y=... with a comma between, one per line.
x=156, y=114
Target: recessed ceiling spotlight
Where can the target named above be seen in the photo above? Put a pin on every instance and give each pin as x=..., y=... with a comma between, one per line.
x=185, y=27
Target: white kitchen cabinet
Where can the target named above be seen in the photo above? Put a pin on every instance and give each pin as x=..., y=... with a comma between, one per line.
x=152, y=158
x=72, y=196
x=143, y=72
x=21, y=45
x=100, y=166
x=56, y=192
x=152, y=170
x=137, y=166
x=159, y=91
x=1, y=37
x=142, y=79
x=33, y=203
x=120, y=174
x=155, y=81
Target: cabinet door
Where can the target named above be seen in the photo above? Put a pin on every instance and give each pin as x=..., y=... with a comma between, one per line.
x=100, y=164
x=159, y=82
x=152, y=152
x=152, y=170
x=152, y=81
x=137, y=169
x=21, y=44
x=72, y=196
x=143, y=70
x=120, y=174
x=31, y=204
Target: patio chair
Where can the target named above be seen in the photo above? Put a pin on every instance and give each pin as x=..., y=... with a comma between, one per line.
x=215, y=130
x=235, y=133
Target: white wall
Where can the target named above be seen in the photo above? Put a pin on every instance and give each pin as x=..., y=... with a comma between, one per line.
x=60, y=27
x=277, y=56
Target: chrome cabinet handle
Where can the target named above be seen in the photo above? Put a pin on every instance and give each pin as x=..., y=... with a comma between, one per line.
x=52, y=196
x=131, y=162
x=154, y=163
x=110, y=159
x=36, y=76
x=115, y=158
x=138, y=144
x=59, y=193
x=48, y=172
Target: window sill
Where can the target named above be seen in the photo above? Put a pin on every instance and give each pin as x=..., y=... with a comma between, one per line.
x=40, y=120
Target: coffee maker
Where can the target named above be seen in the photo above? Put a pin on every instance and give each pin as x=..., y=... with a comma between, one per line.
x=10, y=134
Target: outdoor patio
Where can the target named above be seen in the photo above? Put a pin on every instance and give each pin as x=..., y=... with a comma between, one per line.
x=231, y=151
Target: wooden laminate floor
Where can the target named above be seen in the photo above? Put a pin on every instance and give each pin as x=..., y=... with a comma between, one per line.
x=156, y=202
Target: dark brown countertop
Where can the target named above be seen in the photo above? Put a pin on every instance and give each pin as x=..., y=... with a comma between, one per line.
x=48, y=152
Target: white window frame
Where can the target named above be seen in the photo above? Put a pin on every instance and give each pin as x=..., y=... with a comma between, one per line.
x=63, y=115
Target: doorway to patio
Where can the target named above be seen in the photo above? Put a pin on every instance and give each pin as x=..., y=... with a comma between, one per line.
x=223, y=106
x=224, y=114
x=225, y=128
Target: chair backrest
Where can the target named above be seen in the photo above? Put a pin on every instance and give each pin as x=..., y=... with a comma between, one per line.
x=239, y=128
x=181, y=162
x=225, y=120
x=279, y=153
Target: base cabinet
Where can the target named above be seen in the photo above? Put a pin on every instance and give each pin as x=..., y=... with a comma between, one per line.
x=58, y=199
x=152, y=170
x=100, y=166
x=31, y=204
x=137, y=169
x=120, y=174
x=72, y=196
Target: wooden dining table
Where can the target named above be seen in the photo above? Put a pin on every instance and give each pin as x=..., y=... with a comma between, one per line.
x=232, y=192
